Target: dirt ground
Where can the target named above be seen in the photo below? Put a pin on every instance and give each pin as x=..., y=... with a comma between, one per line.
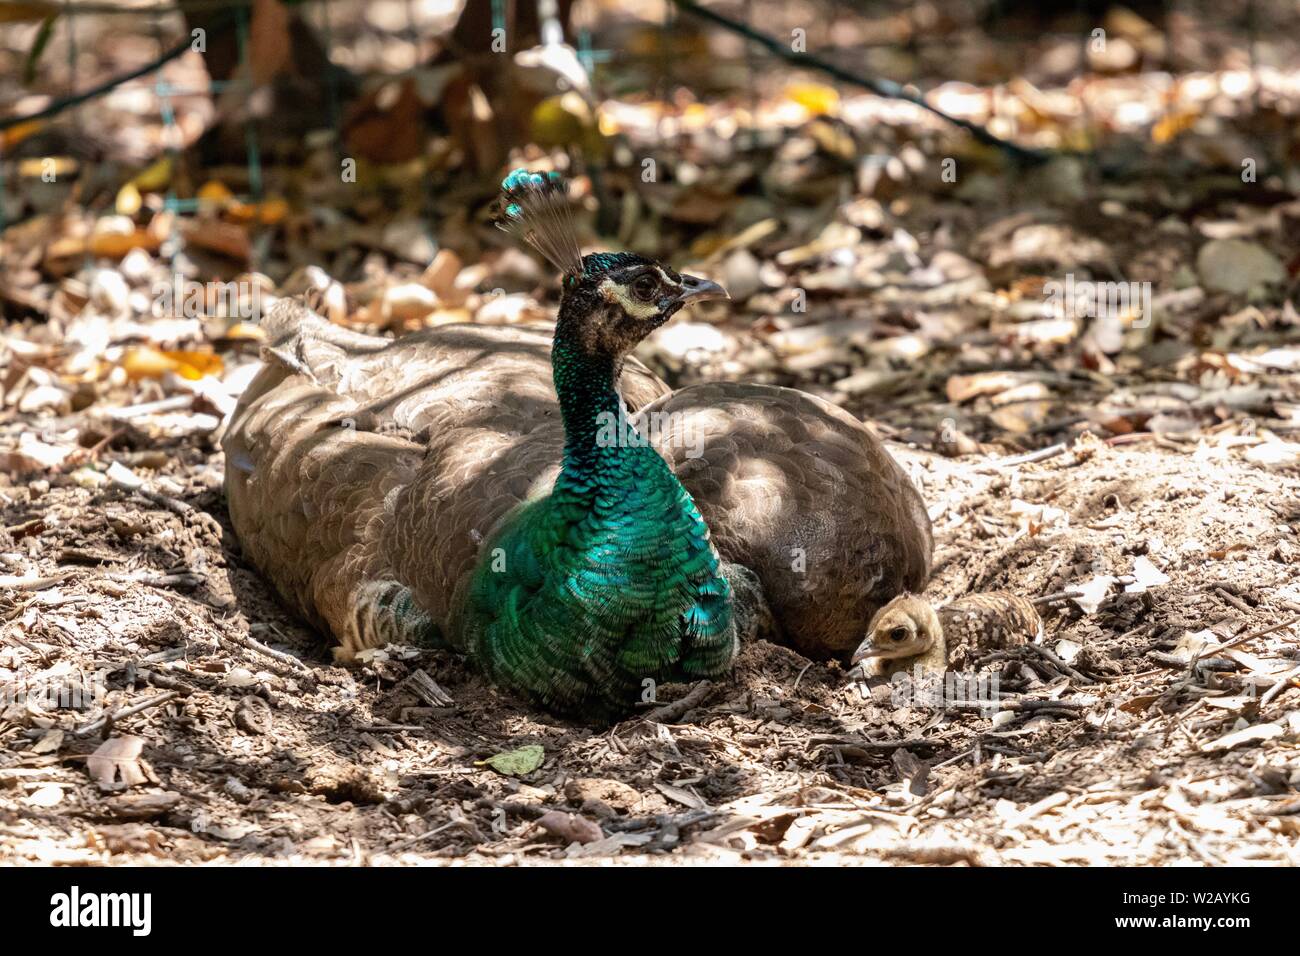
x=256, y=748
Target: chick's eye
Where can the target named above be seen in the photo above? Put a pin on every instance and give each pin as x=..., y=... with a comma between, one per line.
x=644, y=288
x=898, y=634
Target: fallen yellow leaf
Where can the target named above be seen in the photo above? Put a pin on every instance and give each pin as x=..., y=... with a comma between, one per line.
x=145, y=361
x=816, y=98
x=128, y=200
x=155, y=177
x=195, y=365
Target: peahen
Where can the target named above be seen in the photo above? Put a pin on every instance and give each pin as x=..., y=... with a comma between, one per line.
x=444, y=489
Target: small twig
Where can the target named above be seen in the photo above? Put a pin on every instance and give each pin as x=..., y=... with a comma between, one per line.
x=1249, y=637
x=1129, y=438
x=388, y=728
x=426, y=688
x=119, y=715
x=1205, y=663
x=187, y=512
x=884, y=746
x=1056, y=596
x=126, y=412
x=678, y=708
x=403, y=844
x=167, y=682
x=1287, y=680
x=1053, y=659
x=800, y=677
x=941, y=855
x=1023, y=706
x=254, y=644
x=951, y=760
x=155, y=580
x=1232, y=599
x=1051, y=451
x=16, y=583
x=174, y=505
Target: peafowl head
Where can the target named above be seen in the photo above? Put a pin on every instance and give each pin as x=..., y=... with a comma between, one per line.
x=904, y=627
x=609, y=301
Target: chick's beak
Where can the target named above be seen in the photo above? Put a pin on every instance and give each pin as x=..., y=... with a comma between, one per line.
x=864, y=652
x=697, y=290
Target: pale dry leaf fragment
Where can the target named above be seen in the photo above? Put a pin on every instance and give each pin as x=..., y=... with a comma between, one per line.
x=570, y=827
x=116, y=764
x=1093, y=593
x=799, y=832
x=1234, y=704
x=1195, y=644
x=1036, y=518
x=32, y=454
x=50, y=795
x=50, y=742
x=1002, y=718
x=1050, y=802
x=1255, y=733
x=119, y=474
x=961, y=388
x=1067, y=650
x=608, y=845
x=1261, y=666
x=239, y=677
x=680, y=795
x=1274, y=453
x=1145, y=575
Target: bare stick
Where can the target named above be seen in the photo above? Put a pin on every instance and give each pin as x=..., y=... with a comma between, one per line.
x=863, y=743
x=1250, y=637
x=254, y=644
x=1056, y=661
x=16, y=583
x=1022, y=706
x=1051, y=451
x=119, y=715
x=674, y=711
x=1056, y=596
x=403, y=844
x=1287, y=680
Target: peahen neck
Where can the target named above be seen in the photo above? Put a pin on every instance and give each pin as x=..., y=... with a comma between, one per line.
x=597, y=436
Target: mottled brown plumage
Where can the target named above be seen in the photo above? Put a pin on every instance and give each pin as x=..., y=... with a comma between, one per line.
x=975, y=625
x=803, y=494
x=909, y=632
x=364, y=475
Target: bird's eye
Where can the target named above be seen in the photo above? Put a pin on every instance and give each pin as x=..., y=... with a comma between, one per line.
x=645, y=287
x=898, y=634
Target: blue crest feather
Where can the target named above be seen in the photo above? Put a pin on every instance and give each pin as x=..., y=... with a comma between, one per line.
x=535, y=207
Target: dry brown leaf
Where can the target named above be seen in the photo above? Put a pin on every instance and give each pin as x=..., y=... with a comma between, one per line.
x=224, y=238
x=680, y=795
x=570, y=827
x=962, y=388
x=116, y=764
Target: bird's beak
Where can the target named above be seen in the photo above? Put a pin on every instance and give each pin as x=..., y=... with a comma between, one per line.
x=697, y=290
x=865, y=651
